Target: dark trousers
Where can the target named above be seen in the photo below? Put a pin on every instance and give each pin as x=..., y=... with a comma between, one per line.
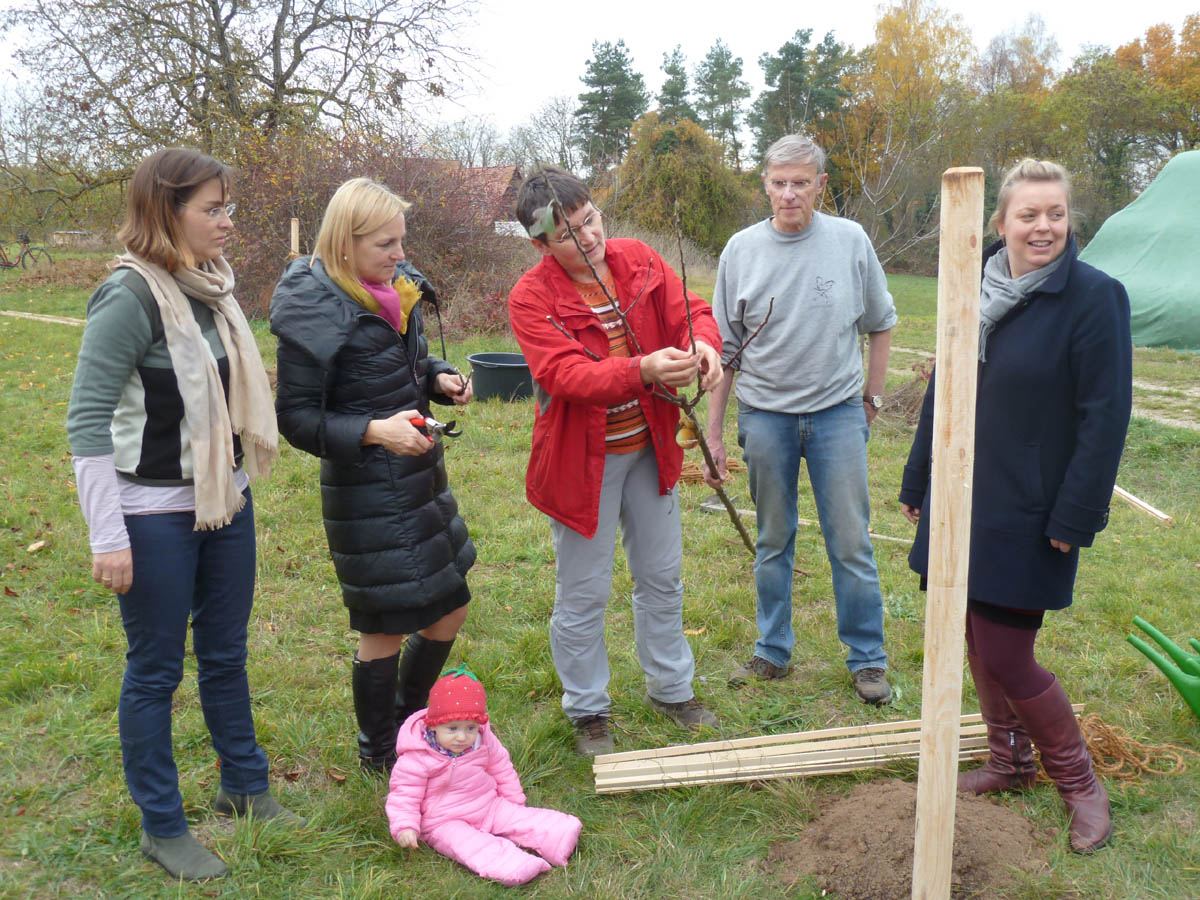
x=207, y=576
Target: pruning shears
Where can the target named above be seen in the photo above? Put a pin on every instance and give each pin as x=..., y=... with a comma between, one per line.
x=1184, y=674
x=432, y=426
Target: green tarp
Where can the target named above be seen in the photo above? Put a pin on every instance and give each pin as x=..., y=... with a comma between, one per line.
x=1152, y=247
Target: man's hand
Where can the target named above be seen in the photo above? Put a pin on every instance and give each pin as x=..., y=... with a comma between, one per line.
x=396, y=434
x=716, y=446
x=670, y=366
x=114, y=570
x=1060, y=546
x=912, y=513
x=870, y=410
x=454, y=386
x=710, y=366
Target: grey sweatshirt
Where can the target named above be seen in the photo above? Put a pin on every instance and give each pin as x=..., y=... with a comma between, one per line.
x=828, y=287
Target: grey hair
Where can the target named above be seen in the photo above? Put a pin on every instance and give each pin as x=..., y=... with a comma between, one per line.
x=1029, y=170
x=794, y=149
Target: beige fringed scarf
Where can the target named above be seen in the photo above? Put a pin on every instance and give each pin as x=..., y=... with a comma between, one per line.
x=212, y=418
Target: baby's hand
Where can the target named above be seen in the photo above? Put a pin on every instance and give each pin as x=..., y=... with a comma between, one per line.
x=407, y=838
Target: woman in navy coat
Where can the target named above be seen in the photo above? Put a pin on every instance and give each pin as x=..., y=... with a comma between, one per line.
x=1053, y=402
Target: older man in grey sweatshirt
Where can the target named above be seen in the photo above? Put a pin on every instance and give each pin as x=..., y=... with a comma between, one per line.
x=801, y=395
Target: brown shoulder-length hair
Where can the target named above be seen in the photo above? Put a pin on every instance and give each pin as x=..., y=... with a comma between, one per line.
x=161, y=184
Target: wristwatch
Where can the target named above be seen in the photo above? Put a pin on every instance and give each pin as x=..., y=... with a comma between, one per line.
x=873, y=400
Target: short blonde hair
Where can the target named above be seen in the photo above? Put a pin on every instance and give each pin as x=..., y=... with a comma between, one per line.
x=1029, y=170
x=161, y=184
x=357, y=208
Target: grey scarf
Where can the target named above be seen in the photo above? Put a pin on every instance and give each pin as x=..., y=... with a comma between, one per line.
x=1001, y=292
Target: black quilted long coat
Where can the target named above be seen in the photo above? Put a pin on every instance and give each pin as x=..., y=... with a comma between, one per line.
x=399, y=546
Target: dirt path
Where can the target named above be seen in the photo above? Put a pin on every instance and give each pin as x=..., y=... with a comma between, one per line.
x=61, y=320
x=1178, y=407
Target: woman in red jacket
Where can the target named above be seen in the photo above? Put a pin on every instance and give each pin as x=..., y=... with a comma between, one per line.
x=604, y=450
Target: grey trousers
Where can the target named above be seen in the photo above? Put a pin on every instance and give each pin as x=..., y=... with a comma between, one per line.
x=650, y=533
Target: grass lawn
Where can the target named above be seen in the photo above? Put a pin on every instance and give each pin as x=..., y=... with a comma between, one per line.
x=69, y=828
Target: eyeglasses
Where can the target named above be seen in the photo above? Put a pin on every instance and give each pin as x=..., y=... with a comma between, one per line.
x=592, y=220
x=215, y=212
x=798, y=187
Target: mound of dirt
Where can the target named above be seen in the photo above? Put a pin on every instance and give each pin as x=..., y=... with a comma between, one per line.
x=861, y=846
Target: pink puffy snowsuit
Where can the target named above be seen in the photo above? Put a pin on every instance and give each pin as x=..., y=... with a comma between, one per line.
x=471, y=808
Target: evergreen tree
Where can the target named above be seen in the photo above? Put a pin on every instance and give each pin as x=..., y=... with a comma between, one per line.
x=673, y=102
x=720, y=92
x=802, y=88
x=615, y=99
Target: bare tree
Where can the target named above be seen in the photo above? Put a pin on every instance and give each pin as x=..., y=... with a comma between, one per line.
x=550, y=135
x=472, y=142
x=126, y=75
x=1020, y=60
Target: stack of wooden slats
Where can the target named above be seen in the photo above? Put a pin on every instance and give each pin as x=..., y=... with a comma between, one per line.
x=824, y=752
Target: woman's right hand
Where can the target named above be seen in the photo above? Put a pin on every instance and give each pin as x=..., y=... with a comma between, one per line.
x=114, y=570
x=398, y=435
x=912, y=513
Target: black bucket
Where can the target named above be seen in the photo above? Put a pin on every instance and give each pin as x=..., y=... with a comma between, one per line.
x=502, y=375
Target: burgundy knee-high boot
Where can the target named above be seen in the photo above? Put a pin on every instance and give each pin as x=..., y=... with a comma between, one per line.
x=1010, y=765
x=1051, y=723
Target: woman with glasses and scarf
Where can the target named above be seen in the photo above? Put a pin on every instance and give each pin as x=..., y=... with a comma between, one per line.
x=170, y=417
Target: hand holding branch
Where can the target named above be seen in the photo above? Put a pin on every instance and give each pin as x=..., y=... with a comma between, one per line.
x=454, y=386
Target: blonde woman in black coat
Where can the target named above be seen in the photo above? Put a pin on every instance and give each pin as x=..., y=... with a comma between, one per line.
x=354, y=369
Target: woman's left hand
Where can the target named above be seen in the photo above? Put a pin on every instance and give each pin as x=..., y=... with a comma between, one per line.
x=454, y=386
x=1061, y=546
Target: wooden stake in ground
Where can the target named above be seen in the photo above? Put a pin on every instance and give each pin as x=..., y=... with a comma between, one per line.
x=959, y=259
x=295, y=237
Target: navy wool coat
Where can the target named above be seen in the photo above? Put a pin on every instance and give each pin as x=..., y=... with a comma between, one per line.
x=397, y=540
x=1052, y=409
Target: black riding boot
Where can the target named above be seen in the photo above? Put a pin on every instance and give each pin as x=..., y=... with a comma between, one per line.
x=374, y=686
x=420, y=666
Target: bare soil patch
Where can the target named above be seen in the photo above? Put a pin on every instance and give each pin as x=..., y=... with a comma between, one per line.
x=860, y=847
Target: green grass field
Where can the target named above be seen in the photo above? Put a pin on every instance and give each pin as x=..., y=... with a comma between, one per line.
x=69, y=828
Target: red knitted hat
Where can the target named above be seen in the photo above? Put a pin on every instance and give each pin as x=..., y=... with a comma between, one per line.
x=456, y=697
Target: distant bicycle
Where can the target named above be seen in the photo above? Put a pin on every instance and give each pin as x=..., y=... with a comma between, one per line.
x=28, y=258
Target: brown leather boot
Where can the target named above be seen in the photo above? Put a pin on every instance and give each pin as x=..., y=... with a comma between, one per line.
x=1051, y=723
x=1010, y=765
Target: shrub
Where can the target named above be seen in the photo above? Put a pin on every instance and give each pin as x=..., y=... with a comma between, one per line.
x=450, y=238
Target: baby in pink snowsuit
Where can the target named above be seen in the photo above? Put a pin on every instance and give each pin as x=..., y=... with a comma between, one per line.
x=454, y=787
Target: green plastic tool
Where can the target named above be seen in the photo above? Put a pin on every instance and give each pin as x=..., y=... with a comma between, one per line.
x=1184, y=673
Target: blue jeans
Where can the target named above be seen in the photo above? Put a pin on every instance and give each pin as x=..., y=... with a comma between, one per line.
x=209, y=576
x=833, y=441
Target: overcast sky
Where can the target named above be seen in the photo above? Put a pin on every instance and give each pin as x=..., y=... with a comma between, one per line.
x=531, y=51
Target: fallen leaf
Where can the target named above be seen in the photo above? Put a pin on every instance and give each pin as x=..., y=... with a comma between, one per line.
x=335, y=776
x=507, y=608
x=695, y=631
x=35, y=546
x=9, y=592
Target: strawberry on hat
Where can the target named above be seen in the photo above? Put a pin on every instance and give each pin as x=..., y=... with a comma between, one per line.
x=456, y=697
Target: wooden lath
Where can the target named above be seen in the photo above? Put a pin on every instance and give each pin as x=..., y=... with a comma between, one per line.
x=823, y=752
